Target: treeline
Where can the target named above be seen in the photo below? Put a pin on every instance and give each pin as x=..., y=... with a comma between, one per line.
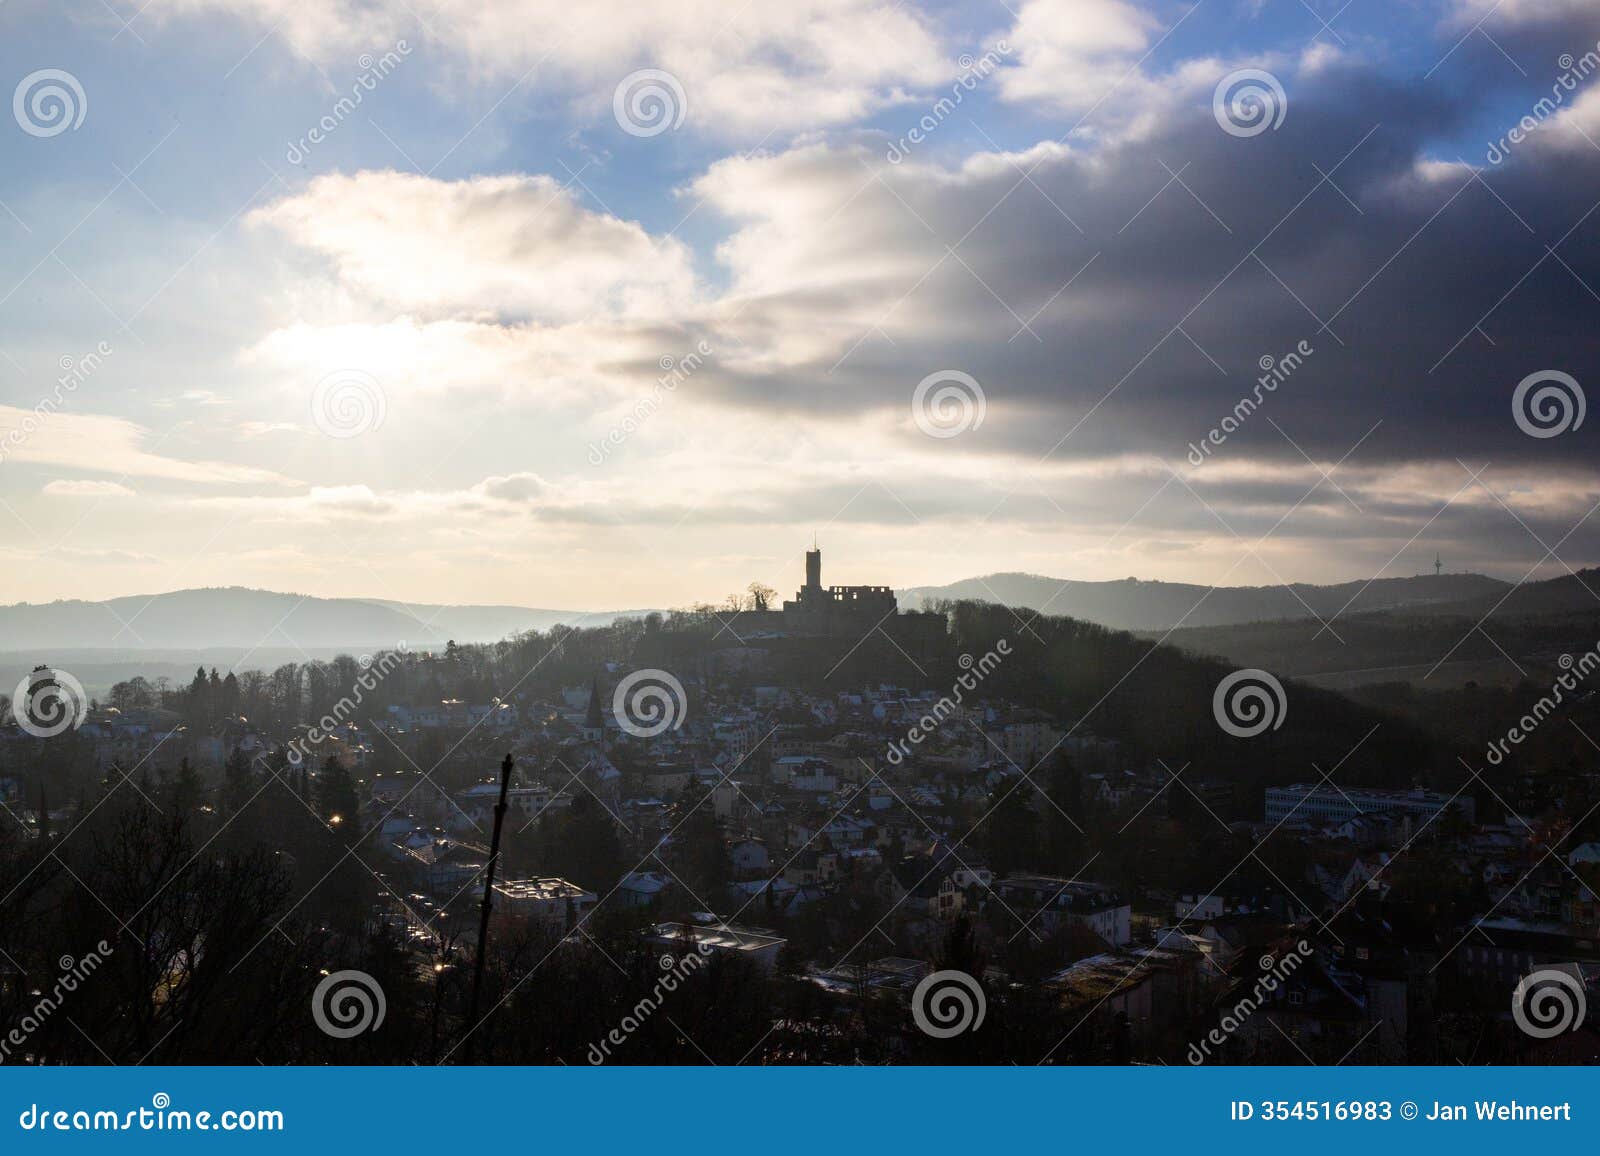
x=1158, y=700
x=1380, y=640
x=536, y=663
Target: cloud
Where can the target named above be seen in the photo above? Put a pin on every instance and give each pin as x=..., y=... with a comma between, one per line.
x=747, y=70
x=86, y=488
x=78, y=556
x=513, y=247
x=111, y=445
x=567, y=365
x=1120, y=298
x=1223, y=520
x=1464, y=14
x=497, y=288
x=1112, y=298
x=515, y=488
x=1072, y=55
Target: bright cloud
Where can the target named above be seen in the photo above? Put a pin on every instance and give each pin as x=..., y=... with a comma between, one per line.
x=510, y=246
x=746, y=69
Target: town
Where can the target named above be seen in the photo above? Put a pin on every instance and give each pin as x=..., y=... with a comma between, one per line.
x=818, y=818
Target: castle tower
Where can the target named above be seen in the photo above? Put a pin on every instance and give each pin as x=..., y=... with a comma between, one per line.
x=814, y=568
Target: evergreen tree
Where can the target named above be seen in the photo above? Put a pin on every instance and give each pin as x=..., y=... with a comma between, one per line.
x=238, y=782
x=337, y=801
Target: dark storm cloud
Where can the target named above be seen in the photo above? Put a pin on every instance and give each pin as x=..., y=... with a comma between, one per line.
x=1426, y=289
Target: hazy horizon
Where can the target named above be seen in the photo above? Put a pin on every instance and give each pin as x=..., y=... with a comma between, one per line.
x=535, y=603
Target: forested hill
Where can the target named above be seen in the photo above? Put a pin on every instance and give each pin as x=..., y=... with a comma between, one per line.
x=1492, y=638
x=1132, y=604
x=1158, y=700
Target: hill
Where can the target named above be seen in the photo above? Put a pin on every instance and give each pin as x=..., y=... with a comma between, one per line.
x=236, y=617
x=1131, y=604
x=1520, y=632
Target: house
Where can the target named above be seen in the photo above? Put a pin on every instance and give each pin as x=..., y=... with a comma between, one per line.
x=642, y=888
x=923, y=885
x=474, y=807
x=814, y=777
x=1053, y=903
x=1202, y=906
x=759, y=946
x=1026, y=737
x=812, y=866
x=548, y=902
x=841, y=831
x=392, y=830
x=967, y=867
x=777, y=894
x=785, y=768
x=667, y=778
x=496, y=715
x=737, y=737
x=447, y=865
x=749, y=858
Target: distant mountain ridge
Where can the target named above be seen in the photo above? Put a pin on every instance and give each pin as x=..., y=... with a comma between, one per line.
x=1132, y=604
x=234, y=616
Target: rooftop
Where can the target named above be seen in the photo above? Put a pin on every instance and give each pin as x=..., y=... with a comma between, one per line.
x=539, y=889
x=726, y=937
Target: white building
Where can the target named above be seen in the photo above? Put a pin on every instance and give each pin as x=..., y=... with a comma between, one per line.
x=1325, y=803
x=550, y=901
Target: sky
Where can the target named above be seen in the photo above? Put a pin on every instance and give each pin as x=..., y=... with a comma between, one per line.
x=615, y=305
